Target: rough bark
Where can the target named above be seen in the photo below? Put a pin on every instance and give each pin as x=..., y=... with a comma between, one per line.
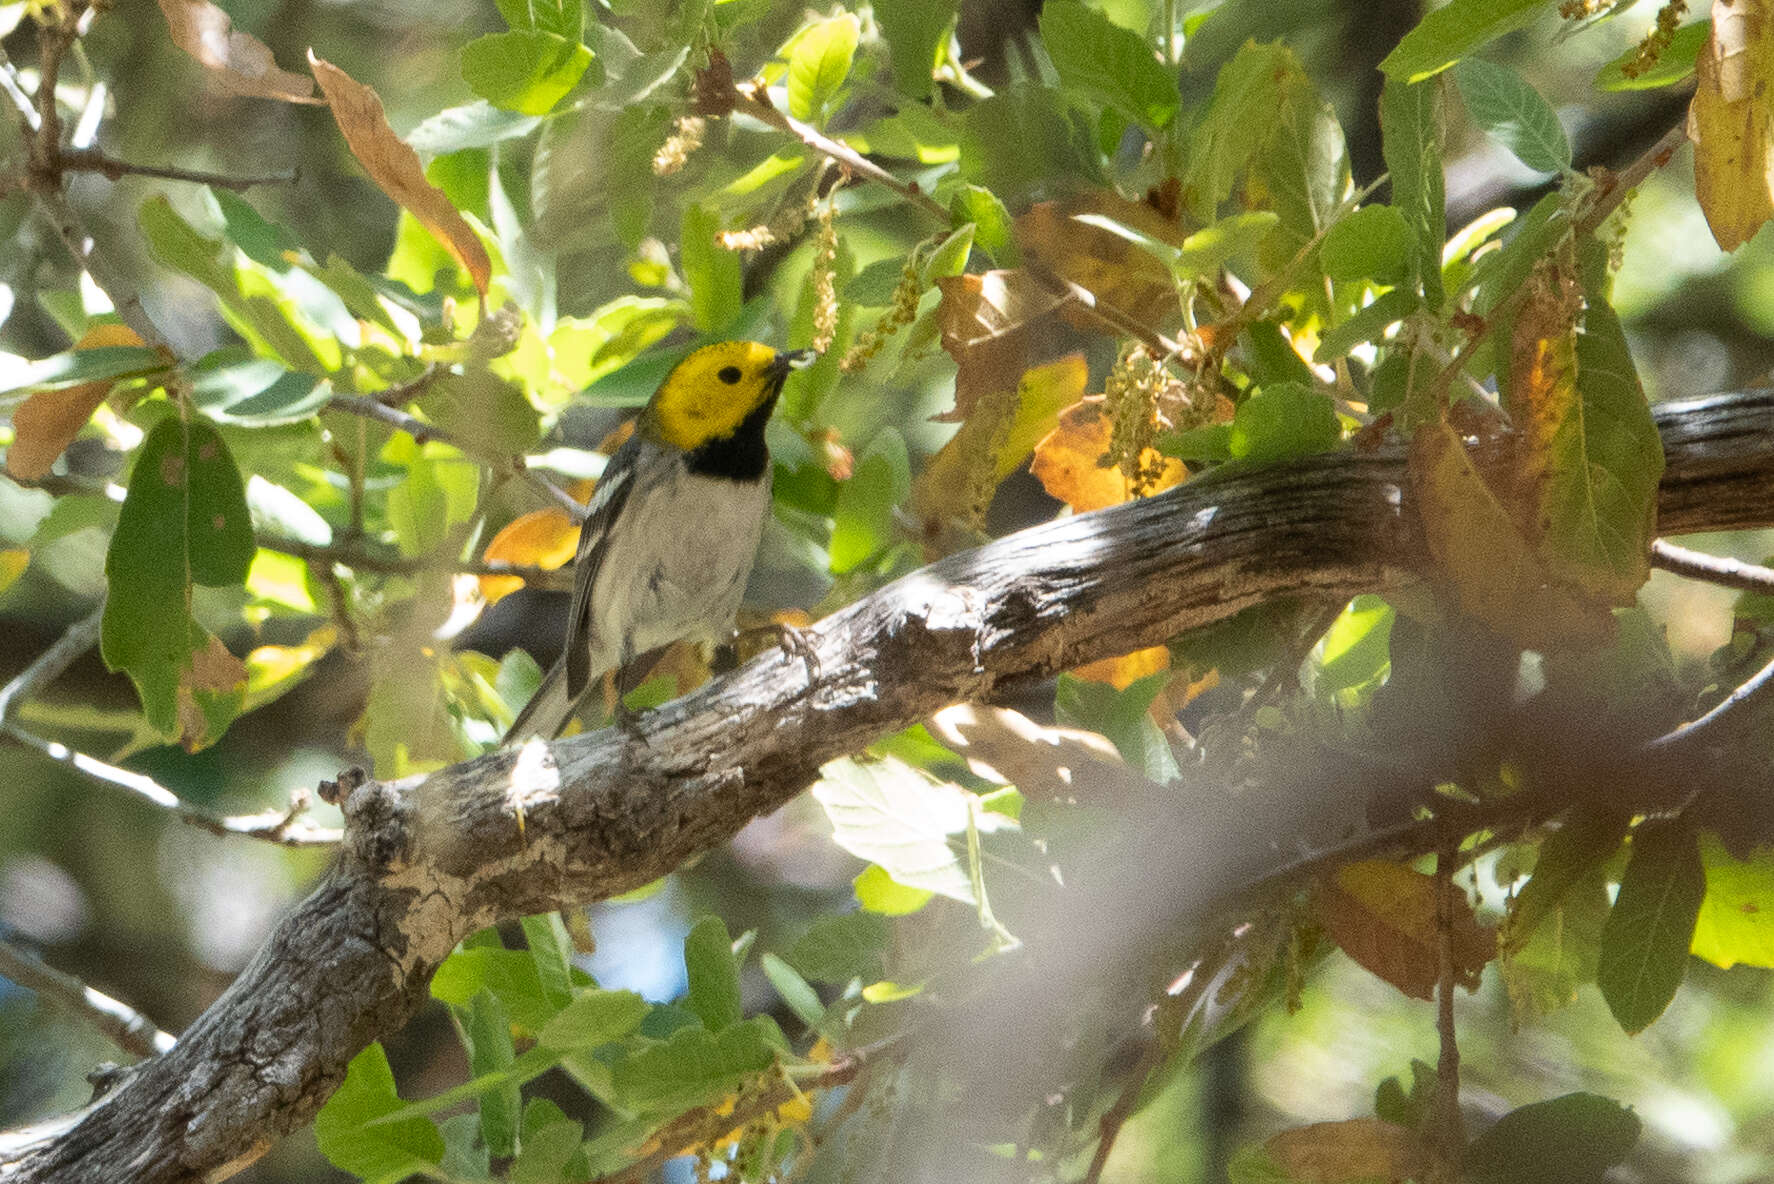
x=428, y=860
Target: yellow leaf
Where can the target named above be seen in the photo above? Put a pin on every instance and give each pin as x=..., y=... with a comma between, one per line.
x=1068, y=461
x=237, y=62
x=1106, y=264
x=1128, y=669
x=1731, y=119
x=394, y=167
x=542, y=538
x=13, y=562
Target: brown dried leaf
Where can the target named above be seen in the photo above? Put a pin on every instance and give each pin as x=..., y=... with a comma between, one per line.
x=395, y=168
x=1359, y=1149
x=47, y=422
x=1731, y=121
x=1382, y=914
x=1068, y=461
x=237, y=62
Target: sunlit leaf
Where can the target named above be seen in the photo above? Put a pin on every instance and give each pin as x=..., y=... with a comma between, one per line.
x=381, y=1154
x=818, y=64
x=1449, y=33
x=524, y=71
x=1736, y=922
x=1103, y=62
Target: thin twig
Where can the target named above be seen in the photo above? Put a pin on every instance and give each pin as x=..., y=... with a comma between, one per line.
x=755, y=102
x=368, y=407
x=79, y=637
x=1450, y=1129
x=91, y=160
x=361, y=557
x=120, y=1023
x=285, y=827
x=1713, y=569
x=1735, y=711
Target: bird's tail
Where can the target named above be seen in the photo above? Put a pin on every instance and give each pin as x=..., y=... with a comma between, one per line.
x=548, y=710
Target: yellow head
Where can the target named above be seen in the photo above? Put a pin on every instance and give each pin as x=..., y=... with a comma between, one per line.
x=709, y=394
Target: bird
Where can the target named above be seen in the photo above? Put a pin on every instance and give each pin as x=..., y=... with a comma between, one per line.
x=673, y=526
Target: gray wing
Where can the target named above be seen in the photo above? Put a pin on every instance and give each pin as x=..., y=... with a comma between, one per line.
x=606, y=507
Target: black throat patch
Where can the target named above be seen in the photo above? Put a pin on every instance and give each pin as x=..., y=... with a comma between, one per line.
x=741, y=456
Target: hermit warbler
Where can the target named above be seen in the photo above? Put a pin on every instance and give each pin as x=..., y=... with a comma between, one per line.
x=673, y=526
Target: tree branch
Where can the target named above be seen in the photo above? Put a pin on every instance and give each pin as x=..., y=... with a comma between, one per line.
x=1713, y=569
x=428, y=860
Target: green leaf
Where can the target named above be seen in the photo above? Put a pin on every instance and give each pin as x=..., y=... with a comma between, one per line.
x=1586, y=841
x=916, y=34
x=1595, y=457
x=819, y=62
x=694, y=1066
x=1411, y=135
x=713, y=973
x=1103, y=62
x=862, y=523
x=184, y=521
x=1451, y=32
x=1243, y=114
x=384, y=1154
x=438, y=494
x=1512, y=113
x=563, y=17
x=1537, y=232
x=949, y=257
x=509, y=974
x=551, y=949
x=1651, y=926
x=836, y=949
x=264, y=242
x=1736, y=923
x=1373, y=243
x=487, y=1034
x=473, y=125
x=86, y=365
x=716, y=285
x=549, y=1144
x=1357, y=647
x=1369, y=323
x=1231, y=238
x=1302, y=170
x=1574, y=1139
x=1283, y=422
x=473, y=403
x=801, y=998
x=1543, y=972
x=525, y=71
x=1675, y=64
x=894, y=815
x=255, y=393
x=593, y=1017
x=1122, y=715
x=877, y=892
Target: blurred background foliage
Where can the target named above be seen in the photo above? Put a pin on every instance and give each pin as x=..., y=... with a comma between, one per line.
x=162, y=915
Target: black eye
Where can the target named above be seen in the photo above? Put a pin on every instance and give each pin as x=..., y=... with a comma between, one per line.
x=728, y=374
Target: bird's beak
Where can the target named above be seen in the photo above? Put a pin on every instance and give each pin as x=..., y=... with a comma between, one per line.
x=793, y=359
